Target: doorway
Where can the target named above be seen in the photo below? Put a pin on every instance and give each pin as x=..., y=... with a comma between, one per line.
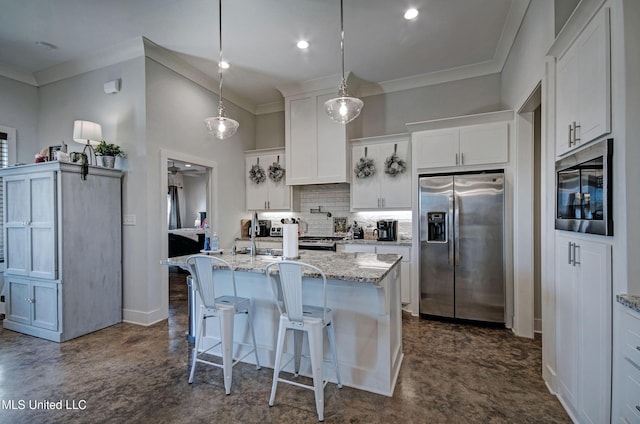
x=194, y=182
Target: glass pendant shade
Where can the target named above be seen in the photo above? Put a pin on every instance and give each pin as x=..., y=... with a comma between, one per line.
x=344, y=108
x=221, y=126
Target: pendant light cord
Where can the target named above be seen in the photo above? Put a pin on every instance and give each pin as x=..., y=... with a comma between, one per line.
x=220, y=51
x=342, y=38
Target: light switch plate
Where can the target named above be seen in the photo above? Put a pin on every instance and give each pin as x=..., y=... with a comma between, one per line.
x=128, y=220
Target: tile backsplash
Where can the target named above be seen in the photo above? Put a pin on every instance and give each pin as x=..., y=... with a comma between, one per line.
x=334, y=199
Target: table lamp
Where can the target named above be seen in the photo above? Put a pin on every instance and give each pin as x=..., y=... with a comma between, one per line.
x=87, y=133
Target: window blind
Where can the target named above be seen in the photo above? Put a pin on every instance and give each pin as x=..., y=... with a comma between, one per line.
x=4, y=162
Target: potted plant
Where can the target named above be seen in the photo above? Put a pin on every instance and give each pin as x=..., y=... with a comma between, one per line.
x=108, y=151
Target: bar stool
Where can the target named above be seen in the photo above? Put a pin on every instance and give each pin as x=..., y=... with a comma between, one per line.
x=203, y=268
x=302, y=318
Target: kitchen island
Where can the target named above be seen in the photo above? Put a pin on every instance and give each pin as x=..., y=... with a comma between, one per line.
x=363, y=290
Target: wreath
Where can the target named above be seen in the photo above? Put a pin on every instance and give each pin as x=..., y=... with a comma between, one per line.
x=365, y=168
x=257, y=174
x=394, y=165
x=276, y=171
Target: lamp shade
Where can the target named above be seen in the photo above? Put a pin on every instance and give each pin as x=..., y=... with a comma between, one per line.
x=343, y=109
x=221, y=126
x=87, y=132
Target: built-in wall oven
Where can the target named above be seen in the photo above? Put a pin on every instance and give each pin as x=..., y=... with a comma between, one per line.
x=583, y=190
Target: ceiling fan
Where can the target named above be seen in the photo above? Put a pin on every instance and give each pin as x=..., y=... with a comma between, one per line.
x=172, y=169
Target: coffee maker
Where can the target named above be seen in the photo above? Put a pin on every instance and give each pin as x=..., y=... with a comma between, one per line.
x=387, y=230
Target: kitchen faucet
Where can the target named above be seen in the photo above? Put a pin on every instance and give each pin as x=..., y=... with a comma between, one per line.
x=254, y=228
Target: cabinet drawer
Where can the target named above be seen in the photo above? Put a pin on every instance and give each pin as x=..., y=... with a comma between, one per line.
x=631, y=337
x=631, y=392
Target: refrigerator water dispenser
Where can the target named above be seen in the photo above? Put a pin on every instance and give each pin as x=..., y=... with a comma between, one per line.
x=437, y=227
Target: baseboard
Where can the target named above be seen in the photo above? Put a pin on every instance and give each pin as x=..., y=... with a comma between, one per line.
x=537, y=325
x=146, y=319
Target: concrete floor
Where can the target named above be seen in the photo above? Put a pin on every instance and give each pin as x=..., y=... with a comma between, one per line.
x=451, y=373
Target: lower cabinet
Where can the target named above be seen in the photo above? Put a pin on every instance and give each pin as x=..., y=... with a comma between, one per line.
x=33, y=303
x=405, y=264
x=583, y=327
x=630, y=365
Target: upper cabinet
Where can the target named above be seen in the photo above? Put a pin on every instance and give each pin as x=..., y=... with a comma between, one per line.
x=465, y=145
x=317, y=148
x=583, y=87
x=266, y=188
x=386, y=188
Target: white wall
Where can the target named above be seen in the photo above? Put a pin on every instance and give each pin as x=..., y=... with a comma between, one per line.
x=176, y=108
x=524, y=67
x=19, y=110
x=388, y=113
x=270, y=130
x=195, y=199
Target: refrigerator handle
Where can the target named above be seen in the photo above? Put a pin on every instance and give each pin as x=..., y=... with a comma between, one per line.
x=456, y=229
x=450, y=230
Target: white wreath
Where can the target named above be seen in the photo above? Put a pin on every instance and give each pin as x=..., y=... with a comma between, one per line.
x=257, y=174
x=365, y=168
x=276, y=172
x=394, y=165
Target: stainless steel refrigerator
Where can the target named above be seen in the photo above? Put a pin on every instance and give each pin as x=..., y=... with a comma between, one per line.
x=462, y=246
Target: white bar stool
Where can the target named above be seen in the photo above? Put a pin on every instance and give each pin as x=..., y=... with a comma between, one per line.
x=302, y=318
x=203, y=268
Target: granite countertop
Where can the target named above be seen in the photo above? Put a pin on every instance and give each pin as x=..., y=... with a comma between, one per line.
x=630, y=301
x=367, y=268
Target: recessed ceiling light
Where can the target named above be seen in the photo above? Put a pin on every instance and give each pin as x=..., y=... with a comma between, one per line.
x=303, y=44
x=224, y=65
x=410, y=14
x=46, y=45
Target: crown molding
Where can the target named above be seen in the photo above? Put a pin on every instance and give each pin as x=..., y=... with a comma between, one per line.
x=270, y=108
x=18, y=75
x=460, y=121
x=582, y=14
x=119, y=53
x=175, y=63
x=515, y=17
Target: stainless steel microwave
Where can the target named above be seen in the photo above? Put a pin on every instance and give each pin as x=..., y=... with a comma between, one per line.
x=584, y=190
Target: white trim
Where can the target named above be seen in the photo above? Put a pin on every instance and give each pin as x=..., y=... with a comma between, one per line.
x=100, y=59
x=510, y=30
x=17, y=74
x=172, y=61
x=583, y=13
x=270, y=107
x=460, y=121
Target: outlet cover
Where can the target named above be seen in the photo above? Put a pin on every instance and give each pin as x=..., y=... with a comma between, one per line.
x=128, y=220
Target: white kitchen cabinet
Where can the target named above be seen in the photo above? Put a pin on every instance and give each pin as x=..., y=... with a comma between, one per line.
x=583, y=327
x=630, y=343
x=583, y=81
x=468, y=145
x=382, y=248
x=317, y=148
x=381, y=191
x=269, y=194
x=62, y=248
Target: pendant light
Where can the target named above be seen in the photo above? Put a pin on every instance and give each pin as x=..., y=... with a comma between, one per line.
x=344, y=108
x=221, y=126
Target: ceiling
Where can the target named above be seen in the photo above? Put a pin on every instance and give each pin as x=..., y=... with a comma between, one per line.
x=259, y=38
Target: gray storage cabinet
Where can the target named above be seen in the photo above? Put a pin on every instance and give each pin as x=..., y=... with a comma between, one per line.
x=63, y=249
